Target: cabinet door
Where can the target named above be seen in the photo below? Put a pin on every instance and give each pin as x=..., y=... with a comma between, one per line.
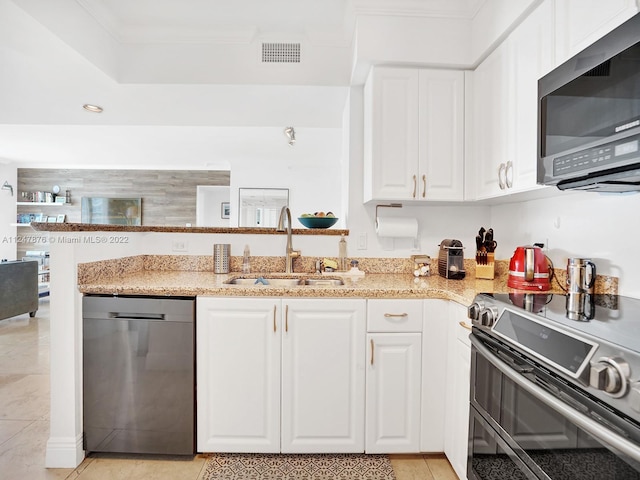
x=441, y=136
x=434, y=374
x=393, y=393
x=391, y=134
x=323, y=376
x=579, y=23
x=530, y=56
x=458, y=390
x=238, y=376
x=487, y=157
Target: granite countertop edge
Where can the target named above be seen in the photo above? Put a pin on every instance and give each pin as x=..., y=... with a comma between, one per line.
x=371, y=286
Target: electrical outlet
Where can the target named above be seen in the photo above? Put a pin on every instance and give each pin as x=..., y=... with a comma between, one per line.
x=179, y=246
x=362, y=241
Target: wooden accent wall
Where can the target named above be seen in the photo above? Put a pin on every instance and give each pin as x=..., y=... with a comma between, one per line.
x=168, y=196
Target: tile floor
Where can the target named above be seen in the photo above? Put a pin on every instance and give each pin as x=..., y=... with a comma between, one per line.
x=24, y=421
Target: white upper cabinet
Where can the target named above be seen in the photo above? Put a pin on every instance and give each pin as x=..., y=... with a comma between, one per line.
x=488, y=113
x=414, y=135
x=531, y=56
x=441, y=135
x=504, y=109
x=579, y=23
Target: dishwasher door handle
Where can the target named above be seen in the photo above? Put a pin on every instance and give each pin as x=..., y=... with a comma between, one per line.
x=137, y=316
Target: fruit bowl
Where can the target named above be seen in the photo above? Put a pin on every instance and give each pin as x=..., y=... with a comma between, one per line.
x=317, y=222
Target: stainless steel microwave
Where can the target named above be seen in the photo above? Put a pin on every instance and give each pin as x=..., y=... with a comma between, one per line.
x=589, y=116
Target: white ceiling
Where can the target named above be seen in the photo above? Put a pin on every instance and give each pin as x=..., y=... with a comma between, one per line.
x=175, y=64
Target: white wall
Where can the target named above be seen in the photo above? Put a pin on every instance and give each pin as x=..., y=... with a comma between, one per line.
x=209, y=200
x=311, y=170
x=8, y=234
x=602, y=227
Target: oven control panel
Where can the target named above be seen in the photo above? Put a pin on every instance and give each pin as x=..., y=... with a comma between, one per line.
x=482, y=315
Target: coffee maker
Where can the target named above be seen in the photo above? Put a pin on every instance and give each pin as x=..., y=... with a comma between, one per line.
x=451, y=259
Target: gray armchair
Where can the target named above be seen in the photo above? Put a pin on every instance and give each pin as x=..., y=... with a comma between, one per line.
x=18, y=288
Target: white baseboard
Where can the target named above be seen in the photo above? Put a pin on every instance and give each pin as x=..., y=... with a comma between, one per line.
x=64, y=452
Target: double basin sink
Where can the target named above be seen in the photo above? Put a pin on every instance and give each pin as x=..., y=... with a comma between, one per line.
x=267, y=280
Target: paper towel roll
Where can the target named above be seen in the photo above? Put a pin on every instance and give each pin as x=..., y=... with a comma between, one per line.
x=397, y=227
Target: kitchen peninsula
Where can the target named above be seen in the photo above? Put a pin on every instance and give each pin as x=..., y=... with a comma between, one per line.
x=145, y=262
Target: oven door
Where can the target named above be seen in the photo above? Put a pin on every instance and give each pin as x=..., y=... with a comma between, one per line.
x=521, y=429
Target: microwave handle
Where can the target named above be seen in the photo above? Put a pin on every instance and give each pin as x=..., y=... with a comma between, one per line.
x=590, y=426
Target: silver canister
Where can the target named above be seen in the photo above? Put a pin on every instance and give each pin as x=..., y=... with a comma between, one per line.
x=221, y=252
x=581, y=275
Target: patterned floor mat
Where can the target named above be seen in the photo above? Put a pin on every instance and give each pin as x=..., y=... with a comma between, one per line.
x=236, y=466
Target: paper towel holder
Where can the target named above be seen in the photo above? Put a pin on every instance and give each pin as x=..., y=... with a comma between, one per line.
x=390, y=205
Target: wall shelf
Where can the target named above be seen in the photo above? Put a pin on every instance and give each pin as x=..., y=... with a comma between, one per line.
x=43, y=204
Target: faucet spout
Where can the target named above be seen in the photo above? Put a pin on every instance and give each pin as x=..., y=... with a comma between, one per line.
x=290, y=252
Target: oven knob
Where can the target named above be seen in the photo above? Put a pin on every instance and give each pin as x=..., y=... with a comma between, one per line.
x=473, y=311
x=487, y=316
x=610, y=375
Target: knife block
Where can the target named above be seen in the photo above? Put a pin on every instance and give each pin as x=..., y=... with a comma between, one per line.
x=485, y=270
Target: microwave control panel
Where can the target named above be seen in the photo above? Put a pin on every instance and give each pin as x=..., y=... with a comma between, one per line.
x=597, y=158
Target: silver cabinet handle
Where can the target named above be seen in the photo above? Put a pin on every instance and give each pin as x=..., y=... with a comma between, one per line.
x=274, y=319
x=465, y=325
x=391, y=315
x=415, y=186
x=424, y=186
x=508, y=174
x=372, y=347
x=501, y=173
x=286, y=318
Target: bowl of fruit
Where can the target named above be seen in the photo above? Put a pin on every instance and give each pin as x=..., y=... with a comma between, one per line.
x=318, y=220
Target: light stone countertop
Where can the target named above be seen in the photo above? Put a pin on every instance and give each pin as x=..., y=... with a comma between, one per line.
x=175, y=275
x=177, y=283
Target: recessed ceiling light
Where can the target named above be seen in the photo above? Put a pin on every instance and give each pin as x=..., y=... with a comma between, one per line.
x=92, y=108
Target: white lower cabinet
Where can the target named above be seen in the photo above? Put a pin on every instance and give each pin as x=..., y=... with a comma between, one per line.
x=323, y=378
x=394, y=348
x=277, y=375
x=434, y=374
x=238, y=345
x=393, y=393
x=456, y=428
x=332, y=376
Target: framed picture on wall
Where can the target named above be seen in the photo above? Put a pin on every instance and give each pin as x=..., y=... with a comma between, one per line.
x=225, y=210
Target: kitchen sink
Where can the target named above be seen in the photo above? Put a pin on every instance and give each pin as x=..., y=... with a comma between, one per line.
x=285, y=282
x=260, y=281
x=329, y=282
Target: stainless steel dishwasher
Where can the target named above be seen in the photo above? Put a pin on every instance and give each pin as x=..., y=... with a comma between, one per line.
x=138, y=374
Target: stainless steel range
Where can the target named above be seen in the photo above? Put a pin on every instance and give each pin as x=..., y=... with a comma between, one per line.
x=555, y=387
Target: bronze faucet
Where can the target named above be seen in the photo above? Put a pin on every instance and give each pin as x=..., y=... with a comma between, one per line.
x=291, y=253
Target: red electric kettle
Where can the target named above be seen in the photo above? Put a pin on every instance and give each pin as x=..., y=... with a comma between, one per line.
x=529, y=269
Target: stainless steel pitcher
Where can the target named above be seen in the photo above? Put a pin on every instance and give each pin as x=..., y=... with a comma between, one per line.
x=581, y=275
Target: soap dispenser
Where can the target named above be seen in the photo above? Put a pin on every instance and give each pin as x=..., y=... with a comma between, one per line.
x=342, y=254
x=246, y=262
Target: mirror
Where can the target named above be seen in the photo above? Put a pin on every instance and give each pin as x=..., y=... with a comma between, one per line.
x=260, y=207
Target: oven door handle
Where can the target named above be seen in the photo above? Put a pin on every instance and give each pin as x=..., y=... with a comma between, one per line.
x=590, y=426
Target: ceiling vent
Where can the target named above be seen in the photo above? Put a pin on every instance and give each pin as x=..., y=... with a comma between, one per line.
x=280, y=53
